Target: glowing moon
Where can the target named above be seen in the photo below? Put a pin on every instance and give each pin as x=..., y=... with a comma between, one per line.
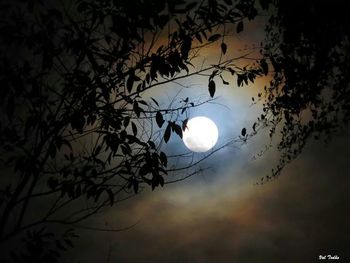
x=201, y=134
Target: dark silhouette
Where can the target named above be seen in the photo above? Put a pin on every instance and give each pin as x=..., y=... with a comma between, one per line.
x=307, y=48
x=74, y=124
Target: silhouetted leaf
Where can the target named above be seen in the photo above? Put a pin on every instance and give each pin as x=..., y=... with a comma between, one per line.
x=177, y=129
x=239, y=80
x=161, y=180
x=167, y=133
x=186, y=47
x=199, y=38
x=264, y=66
x=254, y=126
x=137, y=109
x=184, y=124
x=214, y=37
x=163, y=158
x=159, y=119
x=130, y=81
x=152, y=145
x=211, y=89
x=244, y=132
x=223, y=48
x=126, y=121
x=134, y=128
x=231, y=71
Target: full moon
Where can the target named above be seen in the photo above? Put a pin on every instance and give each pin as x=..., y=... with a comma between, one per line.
x=201, y=134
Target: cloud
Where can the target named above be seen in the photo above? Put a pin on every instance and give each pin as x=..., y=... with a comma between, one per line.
x=295, y=218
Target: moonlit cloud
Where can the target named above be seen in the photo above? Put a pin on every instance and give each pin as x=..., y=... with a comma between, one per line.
x=293, y=219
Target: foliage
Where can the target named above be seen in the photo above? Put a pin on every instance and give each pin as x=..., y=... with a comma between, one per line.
x=74, y=124
x=307, y=50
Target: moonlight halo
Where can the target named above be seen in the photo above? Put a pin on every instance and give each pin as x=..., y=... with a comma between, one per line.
x=201, y=134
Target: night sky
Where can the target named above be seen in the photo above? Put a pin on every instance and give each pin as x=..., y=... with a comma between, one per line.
x=222, y=217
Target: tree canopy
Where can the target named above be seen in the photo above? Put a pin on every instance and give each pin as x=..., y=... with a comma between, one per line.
x=307, y=46
x=75, y=125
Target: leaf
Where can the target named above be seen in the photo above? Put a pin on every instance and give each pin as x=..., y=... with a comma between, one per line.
x=159, y=119
x=223, y=48
x=251, y=76
x=178, y=130
x=254, y=126
x=161, y=180
x=137, y=109
x=126, y=121
x=214, y=37
x=239, y=80
x=167, y=133
x=163, y=158
x=228, y=2
x=199, y=38
x=184, y=124
x=130, y=81
x=134, y=128
x=239, y=28
x=186, y=47
x=264, y=66
x=231, y=71
x=244, y=132
x=211, y=89
x=152, y=144
x=154, y=183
